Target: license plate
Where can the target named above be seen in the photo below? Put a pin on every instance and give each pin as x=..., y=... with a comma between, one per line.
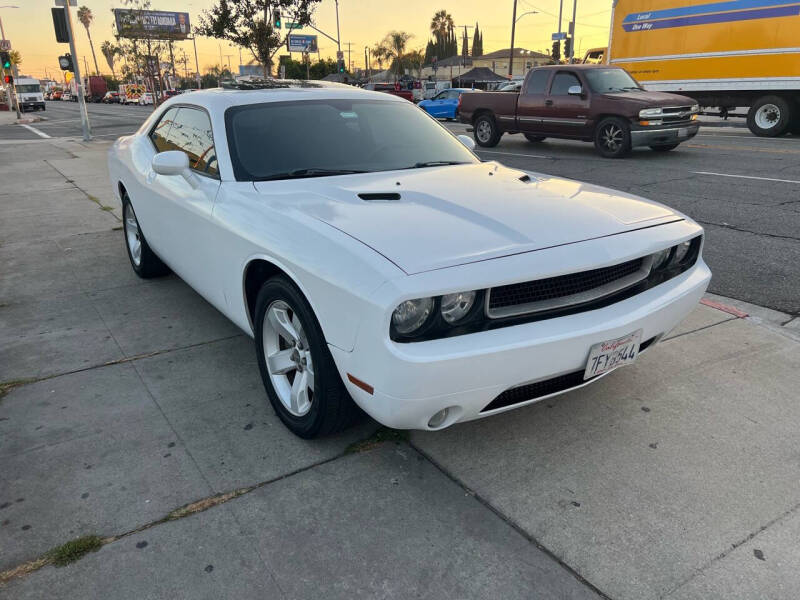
x=683, y=132
x=608, y=355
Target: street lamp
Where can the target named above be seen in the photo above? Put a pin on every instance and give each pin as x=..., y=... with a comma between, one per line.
x=513, y=27
x=530, y=12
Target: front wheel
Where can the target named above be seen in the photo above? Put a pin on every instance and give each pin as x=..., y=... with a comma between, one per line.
x=486, y=132
x=143, y=260
x=769, y=116
x=664, y=148
x=612, y=138
x=299, y=375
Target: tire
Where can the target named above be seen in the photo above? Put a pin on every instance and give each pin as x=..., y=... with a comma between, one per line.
x=486, y=132
x=769, y=116
x=143, y=260
x=612, y=138
x=664, y=148
x=534, y=138
x=328, y=407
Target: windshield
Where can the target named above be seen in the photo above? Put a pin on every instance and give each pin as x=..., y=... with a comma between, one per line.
x=604, y=81
x=29, y=88
x=313, y=138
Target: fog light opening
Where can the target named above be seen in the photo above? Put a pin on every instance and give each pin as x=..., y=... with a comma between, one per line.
x=438, y=419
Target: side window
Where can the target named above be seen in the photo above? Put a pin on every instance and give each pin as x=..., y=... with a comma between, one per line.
x=562, y=82
x=537, y=81
x=161, y=131
x=440, y=96
x=191, y=132
x=454, y=94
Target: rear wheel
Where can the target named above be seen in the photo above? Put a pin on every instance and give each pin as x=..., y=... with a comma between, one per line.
x=534, y=138
x=296, y=366
x=486, y=132
x=143, y=260
x=612, y=138
x=664, y=148
x=769, y=116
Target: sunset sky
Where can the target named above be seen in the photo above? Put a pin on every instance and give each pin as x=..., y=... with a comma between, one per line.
x=363, y=22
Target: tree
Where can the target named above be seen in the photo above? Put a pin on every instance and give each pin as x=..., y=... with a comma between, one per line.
x=15, y=57
x=380, y=53
x=442, y=27
x=477, y=42
x=395, y=45
x=110, y=51
x=414, y=61
x=248, y=23
x=86, y=17
x=142, y=53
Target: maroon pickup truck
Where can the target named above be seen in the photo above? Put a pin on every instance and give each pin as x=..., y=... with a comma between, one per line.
x=593, y=103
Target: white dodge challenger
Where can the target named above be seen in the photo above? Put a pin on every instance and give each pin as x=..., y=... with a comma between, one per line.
x=378, y=263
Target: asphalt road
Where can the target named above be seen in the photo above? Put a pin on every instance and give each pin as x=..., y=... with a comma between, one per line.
x=744, y=190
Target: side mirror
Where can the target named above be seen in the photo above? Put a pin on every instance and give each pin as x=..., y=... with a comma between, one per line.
x=467, y=141
x=575, y=90
x=174, y=162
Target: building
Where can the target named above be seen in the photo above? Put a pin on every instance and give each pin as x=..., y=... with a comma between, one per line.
x=524, y=61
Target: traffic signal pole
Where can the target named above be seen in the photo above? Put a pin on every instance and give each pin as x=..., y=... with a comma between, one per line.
x=87, y=131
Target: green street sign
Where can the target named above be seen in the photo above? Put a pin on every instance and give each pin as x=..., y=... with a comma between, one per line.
x=293, y=25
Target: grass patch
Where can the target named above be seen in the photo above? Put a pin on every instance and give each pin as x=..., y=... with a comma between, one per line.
x=7, y=386
x=382, y=435
x=106, y=208
x=74, y=550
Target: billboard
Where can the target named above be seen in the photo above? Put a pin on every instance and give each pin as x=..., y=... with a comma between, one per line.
x=156, y=24
x=302, y=43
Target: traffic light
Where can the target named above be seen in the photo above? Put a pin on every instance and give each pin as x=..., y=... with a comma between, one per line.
x=9, y=79
x=65, y=62
x=5, y=60
x=340, y=64
x=556, y=50
x=567, y=47
x=276, y=19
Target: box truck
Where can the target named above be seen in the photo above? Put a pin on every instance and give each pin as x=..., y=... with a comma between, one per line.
x=722, y=54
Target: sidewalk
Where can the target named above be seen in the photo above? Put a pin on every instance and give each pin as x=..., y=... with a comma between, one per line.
x=133, y=411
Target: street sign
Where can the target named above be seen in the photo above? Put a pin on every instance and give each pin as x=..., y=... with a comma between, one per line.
x=339, y=55
x=5, y=45
x=302, y=43
x=293, y=25
x=559, y=36
x=61, y=3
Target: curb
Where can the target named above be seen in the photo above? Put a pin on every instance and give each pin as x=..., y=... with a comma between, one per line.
x=786, y=324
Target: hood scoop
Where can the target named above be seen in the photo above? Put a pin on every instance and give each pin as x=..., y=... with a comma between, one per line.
x=525, y=179
x=379, y=196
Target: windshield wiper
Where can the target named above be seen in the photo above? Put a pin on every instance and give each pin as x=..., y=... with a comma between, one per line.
x=436, y=163
x=312, y=172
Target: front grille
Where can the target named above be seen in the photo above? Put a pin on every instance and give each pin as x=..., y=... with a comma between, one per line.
x=673, y=114
x=529, y=293
x=540, y=389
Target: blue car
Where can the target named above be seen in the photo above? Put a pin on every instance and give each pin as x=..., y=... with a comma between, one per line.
x=444, y=105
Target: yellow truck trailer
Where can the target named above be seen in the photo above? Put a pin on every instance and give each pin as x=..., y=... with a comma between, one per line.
x=723, y=54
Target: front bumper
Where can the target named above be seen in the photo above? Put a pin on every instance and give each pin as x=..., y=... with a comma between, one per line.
x=413, y=381
x=663, y=135
x=31, y=105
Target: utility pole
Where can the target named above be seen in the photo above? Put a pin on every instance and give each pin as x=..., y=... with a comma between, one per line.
x=10, y=88
x=87, y=130
x=86, y=65
x=511, y=52
x=560, y=10
x=196, y=64
x=349, y=64
x=338, y=35
x=366, y=61
x=572, y=45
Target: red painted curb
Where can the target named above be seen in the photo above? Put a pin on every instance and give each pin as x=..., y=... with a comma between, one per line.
x=724, y=308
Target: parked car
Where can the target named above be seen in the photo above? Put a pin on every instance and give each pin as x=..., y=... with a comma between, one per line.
x=66, y=96
x=444, y=105
x=391, y=88
x=432, y=88
x=56, y=95
x=111, y=98
x=593, y=103
x=378, y=262
x=511, y=86
x=171, y=93
x=146, y=98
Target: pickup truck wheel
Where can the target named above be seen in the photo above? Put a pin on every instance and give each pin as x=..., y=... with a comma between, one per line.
x=486, y=132
x=665, y=148
x=769, y=116
x=612, y=138
x=299, y=375
x=534, y=138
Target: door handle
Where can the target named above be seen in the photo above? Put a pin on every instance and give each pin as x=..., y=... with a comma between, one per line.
x=548, y=103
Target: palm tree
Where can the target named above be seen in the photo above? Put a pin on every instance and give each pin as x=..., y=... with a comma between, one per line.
x=379, y=54
x=109, y=50
x=441, y=23
x=395, y=44
x=415, y=60
x=86, y=17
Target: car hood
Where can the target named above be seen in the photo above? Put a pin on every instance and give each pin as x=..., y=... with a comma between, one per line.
x=440, y=217
x=652, y=98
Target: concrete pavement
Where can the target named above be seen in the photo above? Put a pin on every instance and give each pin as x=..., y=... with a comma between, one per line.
x=125, y=400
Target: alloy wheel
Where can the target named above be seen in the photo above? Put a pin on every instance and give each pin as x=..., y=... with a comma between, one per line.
x=611, y=137
x=133, y=235
x=288, y=358
x=484, y=131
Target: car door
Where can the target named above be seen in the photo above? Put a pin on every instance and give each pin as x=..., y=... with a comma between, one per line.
x=436, y=106
x=530, y=105
x=566, y=114
x=450, y=104
x=186, y=230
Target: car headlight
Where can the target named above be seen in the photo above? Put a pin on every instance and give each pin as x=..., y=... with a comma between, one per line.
x=681, y=252
x=695, y=108
x=660, y=258
x=647, y=113
x=456, y=306
x=411, y=315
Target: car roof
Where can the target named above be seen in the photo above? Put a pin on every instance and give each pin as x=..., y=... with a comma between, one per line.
x=278, y=90
x=578, y=66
